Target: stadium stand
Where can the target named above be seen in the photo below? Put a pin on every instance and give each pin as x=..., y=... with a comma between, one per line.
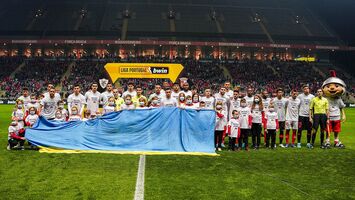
x=238, y=20
x=35, y=75
x=194, y=19
x=223, y=20
x=271, y=22
x=9, y=64
x=260, y=75
x=84, y=73
x=152, y=21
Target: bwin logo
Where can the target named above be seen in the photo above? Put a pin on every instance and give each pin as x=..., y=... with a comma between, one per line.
x=159, y=70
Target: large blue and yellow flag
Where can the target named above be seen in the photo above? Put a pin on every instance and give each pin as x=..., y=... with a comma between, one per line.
x=151, y=131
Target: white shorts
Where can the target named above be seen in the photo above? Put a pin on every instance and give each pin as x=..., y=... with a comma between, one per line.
x=291, y=125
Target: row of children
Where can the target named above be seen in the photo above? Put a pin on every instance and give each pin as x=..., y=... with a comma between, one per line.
x=240, y=125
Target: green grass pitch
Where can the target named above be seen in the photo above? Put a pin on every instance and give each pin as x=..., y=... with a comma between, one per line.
x=263, y=174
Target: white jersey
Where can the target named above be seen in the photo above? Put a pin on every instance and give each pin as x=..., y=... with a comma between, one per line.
x=257, y=115
x=49, y=106
x=56, y=95
x=19, y=114
x=221, y=122
x=224, y=99
x=171, y=102
x=65, y=113
x=26, y=101
x=76, y=100
x=108, y=109
x=244, y=117
x=249, y=100
x=234, y=105
x=160, y=96
x=175, y=94
x=192, y=106
x=141, y=108
x=271, y=120
x=105, y=96
x=280, y=108
x=305, y=103
x=292, y=109
x=59, y=119
x=61, y=116
x=209, y=102
x=162, y=91
x=31, y=119
x=35, y=105
x=266, y=103
x=335, y=105
x=133, y=93
x=92, y=101
x=234, y=128
x=156, y=106
x=127, y=107
x=12, y=129
x=74, y=118
x=187, y=93
x=229, y=94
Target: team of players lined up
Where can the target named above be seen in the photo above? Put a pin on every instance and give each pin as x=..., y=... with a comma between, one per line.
x=238, y=115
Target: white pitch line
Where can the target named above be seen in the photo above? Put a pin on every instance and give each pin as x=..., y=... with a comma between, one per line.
x=139, y=193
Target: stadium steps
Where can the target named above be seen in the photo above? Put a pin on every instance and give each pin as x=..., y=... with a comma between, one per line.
x=320, y=22
x=124, y=29
x=104, y=15
x=30, y=25
x=34, y=20
x=266, y=32
x=172, y=27
x=304, y=27
x=12, y=75
x=263, y=27
x=321, y=72
x=272, y=68
x=226, y=73
x=80, y=19
x=219, y=28
x=307, y=30
x=323, y=69
x=346, y=74
x=66, y=74
x=349, y=99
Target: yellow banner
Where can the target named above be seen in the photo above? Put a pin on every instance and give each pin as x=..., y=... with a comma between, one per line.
x=69, y=151
x=143, y=70
x=306, y=59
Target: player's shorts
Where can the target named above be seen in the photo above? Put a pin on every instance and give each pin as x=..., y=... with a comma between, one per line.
x=320, y=120
x=304, y=124
x=281, y=125
x=335, y=126
x=291, y=125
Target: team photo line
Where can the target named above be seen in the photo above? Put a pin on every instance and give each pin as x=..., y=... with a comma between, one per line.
x=238, y=115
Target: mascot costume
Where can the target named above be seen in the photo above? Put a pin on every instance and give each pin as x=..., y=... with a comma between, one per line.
x=333, y=88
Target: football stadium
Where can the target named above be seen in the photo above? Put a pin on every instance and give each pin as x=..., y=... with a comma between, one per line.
x=188, y=99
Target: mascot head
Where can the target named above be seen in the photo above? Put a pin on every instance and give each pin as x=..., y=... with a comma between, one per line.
x=333, y=87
